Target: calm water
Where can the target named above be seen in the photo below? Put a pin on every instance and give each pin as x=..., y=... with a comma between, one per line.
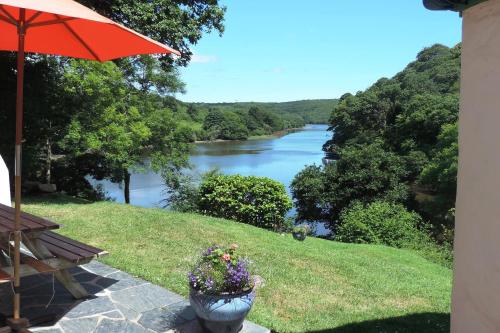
x=278, y=158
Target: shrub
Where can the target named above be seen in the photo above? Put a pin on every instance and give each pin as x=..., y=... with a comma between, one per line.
x=390, y=224
x=379, y=223
x=182, y=190
x=258, y=201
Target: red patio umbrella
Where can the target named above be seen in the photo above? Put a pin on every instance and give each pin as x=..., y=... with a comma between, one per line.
x=66, y=28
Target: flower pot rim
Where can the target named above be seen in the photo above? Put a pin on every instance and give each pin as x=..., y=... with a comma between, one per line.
x=222, y=295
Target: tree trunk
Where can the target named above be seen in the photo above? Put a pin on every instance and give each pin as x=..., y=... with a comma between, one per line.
x=48, y=163
x=126, y=188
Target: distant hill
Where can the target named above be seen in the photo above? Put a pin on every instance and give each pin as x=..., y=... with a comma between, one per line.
x=313, y=111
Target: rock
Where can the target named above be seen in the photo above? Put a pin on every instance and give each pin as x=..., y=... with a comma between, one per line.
x=47, y=188
x=30, y=186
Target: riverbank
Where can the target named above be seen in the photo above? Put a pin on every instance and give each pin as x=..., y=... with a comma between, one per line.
x=273, y=135
x=279, y=158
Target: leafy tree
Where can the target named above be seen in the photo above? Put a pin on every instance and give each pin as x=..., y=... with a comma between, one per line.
x=113, y=124
x=440, y=177
x=213, y=123
x=363, y=173
x=233, y=128
x=44, y=120
x=423, y=117
x=146, y=73
x=358, y=119
x=183, y=190
x=224, y=125
x=403, y=115
x=177, y=23
x=52, y=111
x=308, y=189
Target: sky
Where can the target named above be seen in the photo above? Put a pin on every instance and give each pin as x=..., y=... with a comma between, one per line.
x=285, y=50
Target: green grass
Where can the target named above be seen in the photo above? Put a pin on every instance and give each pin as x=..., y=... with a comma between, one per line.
x=315, y=286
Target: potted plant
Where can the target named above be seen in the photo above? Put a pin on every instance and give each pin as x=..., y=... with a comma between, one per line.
x=222, y=289
x=300, y=232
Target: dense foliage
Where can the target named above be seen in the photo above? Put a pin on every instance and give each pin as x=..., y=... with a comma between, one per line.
x=155, y=18
x=258, y=201
x=379, y=223
x=234, y=122
x=395, y=141
x=103, y=119
x=314, y=111
x=363, y=173
x=387, y=223
x=221, y=270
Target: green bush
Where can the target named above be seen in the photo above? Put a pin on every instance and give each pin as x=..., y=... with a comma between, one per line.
x=258, y=201
x=379, y=223
x=390, y=224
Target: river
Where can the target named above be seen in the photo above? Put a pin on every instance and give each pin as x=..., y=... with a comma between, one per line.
x=279, y=158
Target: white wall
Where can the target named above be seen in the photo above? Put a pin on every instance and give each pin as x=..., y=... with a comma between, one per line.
x=4, y=184
x=476, y=289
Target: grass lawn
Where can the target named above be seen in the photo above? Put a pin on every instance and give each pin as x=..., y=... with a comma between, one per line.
x=315, y=286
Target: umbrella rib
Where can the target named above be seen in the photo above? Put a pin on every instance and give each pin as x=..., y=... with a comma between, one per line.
x=34, y=16
x=67, y=26
x=49, y=22
x=6, y=19
x=9, y=16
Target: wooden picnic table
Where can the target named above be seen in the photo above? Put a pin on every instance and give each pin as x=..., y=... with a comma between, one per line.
x=48, y=252
x=29, y=223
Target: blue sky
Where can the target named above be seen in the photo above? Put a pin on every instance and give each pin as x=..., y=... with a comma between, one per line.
x=283, y=50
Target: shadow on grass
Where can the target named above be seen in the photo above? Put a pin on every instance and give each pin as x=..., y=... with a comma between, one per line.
x=413, y=323
x=53, y=198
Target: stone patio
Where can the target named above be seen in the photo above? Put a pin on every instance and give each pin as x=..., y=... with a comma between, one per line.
x=119, y=302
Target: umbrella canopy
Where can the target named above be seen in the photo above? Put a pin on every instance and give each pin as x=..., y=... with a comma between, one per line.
x=66, y=28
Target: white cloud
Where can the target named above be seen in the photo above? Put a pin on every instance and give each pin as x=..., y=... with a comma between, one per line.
x=203, y=59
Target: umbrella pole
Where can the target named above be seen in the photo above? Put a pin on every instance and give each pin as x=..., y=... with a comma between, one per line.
x=17, y=323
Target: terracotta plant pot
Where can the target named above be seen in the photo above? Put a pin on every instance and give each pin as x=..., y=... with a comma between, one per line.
x=221, y=313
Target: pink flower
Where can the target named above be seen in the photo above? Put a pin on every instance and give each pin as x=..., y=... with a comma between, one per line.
x=226, y=257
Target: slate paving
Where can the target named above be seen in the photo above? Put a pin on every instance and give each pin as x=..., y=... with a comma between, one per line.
x=118, y=303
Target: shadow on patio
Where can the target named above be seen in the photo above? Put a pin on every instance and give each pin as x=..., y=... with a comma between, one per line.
x=44, y=300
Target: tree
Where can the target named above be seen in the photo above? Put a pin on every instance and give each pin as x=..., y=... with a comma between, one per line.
x=308, y=190
x=177, y=23
x=225, y=125
x=118, y=124
x=364, y=173
x=52, y=112
x=404, y=115
x=440, y=176
x=423, y=117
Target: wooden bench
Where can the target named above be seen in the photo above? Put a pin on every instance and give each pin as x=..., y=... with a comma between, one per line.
x=69, y=249
x=54, y=254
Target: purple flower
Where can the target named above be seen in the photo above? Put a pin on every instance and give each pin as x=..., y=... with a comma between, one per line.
x=210, y=250
x=214, y=275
